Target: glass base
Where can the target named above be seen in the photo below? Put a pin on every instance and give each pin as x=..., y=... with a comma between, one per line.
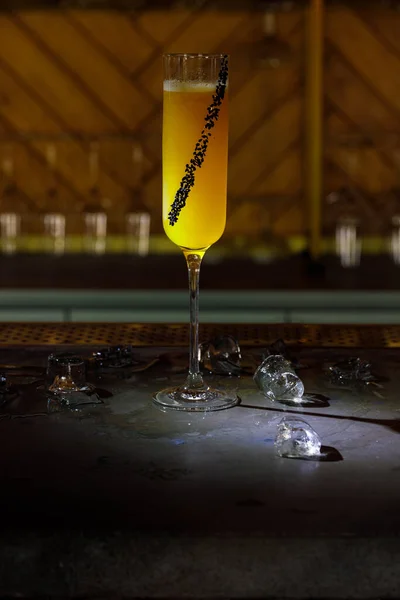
x=204, y=400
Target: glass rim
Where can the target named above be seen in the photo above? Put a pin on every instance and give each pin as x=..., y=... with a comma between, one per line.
x=194, y=55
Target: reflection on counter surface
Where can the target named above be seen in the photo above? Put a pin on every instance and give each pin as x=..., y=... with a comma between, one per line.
x=101, y=484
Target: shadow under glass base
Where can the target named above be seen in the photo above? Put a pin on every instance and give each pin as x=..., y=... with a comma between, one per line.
x=208, y=399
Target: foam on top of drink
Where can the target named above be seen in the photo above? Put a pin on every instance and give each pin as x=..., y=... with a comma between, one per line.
x=173, y=85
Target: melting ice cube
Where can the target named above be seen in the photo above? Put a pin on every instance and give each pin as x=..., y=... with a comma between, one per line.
x=296, y=439
x=221, y=355
x=277, y=379
x=352, y=369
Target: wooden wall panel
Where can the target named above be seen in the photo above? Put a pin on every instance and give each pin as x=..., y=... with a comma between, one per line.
x=73, y=76
x=267, y=141
x=197, y=34
x=116, y=36
x=110, y=89
x=362, y=76
x=97, y=75
x=55, y=85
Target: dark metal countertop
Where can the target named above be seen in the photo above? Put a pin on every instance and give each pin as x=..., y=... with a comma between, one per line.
x=123, y=500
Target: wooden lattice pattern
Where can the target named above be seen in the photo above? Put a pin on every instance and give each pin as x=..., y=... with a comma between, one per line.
x=98, y=74
x=362, y=72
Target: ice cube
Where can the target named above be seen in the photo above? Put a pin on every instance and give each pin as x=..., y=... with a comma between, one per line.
x=352, y=369
x=8, y=392
x=74, y=401
x=114, y=357
x=277, y=379
x=65, y=372
x=221, y=355
x=295, y=438
x=356, y=373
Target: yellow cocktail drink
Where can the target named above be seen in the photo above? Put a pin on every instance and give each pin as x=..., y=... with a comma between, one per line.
x=195, y=164
x=186, y=107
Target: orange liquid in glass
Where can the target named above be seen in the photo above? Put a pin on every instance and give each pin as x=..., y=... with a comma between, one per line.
x=201, y=221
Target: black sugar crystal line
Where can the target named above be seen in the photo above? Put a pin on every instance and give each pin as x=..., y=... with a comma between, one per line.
x=200, y=149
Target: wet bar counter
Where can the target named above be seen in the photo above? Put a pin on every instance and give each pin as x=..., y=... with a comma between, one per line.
x=120, y=499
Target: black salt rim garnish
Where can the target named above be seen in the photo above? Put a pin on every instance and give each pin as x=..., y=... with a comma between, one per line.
x=200, y=149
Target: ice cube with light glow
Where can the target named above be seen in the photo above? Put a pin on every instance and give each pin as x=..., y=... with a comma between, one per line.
x=66, y=383
x=352, y=369
x=221, y=355
x=276, y=379
x=295, y=438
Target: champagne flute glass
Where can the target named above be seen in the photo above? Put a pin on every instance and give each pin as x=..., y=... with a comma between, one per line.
x=195, y=161
x=54, y=231
x=95, y=232
x=138, y=233
x=95, y=218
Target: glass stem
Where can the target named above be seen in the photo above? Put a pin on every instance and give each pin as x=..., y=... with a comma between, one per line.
x=195, y=379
